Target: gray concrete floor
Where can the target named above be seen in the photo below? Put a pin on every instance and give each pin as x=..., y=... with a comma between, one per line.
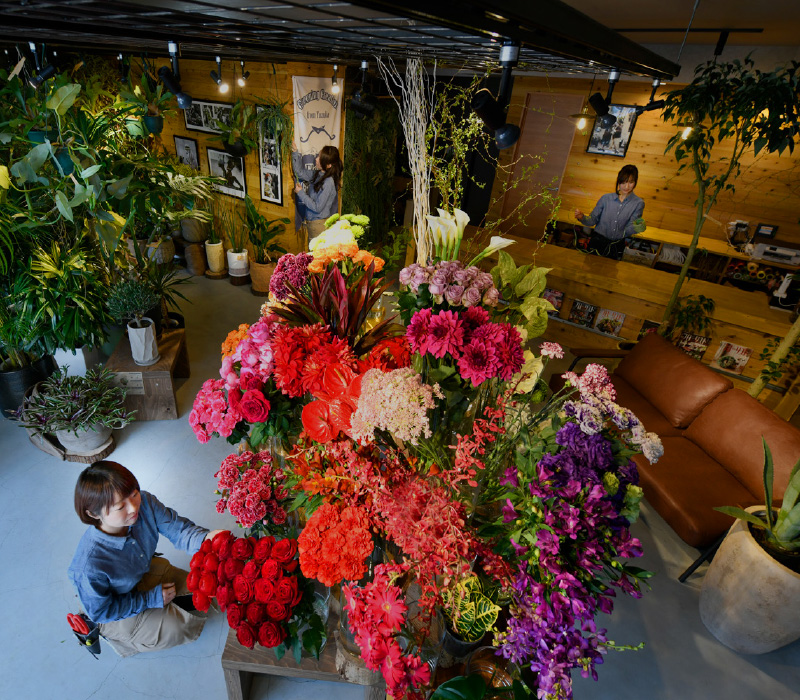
x=39, y=531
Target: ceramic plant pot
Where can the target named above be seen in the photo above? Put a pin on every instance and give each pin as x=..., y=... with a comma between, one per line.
x=144, y=348
x=153, y=125
x=749, y=601
x=237, y=264
x=260, y=275
x=215, y=254
x=85, y=440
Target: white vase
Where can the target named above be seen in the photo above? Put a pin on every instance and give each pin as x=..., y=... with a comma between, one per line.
x=237, y=264
x=144, y=348
x=749, y=601
x=215, y=254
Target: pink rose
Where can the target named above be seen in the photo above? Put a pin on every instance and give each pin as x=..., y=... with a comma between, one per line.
x=472, y=296
x=254, y=406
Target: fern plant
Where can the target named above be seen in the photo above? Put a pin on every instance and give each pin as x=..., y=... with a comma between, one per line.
x=470, y=611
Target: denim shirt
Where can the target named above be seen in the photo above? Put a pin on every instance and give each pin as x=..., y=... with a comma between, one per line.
x=106, y=569
x=322, y=204
x=614, y=219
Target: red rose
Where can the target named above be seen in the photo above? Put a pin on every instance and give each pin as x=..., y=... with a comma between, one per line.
x=242, y=549
x=270, y=570
x=291, y=566
x=285, y=590
x=251, y=570
x=263, y=590
x=206, y=546
x=263, y=548
x=224, y=596
x=193, y=579
x=254, y=406
x=234, y=399
x=283, y=552
x=316, y=421
x=255, y=614
x=200, y=601
x=245, y=635
x=297, y=598
x=222, y=577
x=211, y=562
x=219, y=538
x=233, y=567
x=208, y=583
x=249, y=381
x=270, y=634
x=197, y=559
x=235, y=614
x=225, y=546
x=277, y=611
x=242, y=589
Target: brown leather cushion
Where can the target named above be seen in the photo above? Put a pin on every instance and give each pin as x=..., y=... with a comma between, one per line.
x=730, y=431
x=652, y=420
x=685, y=485
x=678, y=386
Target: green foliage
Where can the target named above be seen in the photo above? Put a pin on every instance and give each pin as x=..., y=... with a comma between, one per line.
x=131, y=300
x=521, y=288
x=782, y=532
x=691, y=314
x=145, y=96
x=276, y=123
x=64, y=402
x=471, y=612
x=773, y=370
x=241, y=126
x=228, y=222
x=370, y=150
x=262, y=232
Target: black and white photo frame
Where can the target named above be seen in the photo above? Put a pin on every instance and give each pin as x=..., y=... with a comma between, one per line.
x=269, y=166
x=230, y=169
x=186, y=150
x=613, y=139
x=202, y=116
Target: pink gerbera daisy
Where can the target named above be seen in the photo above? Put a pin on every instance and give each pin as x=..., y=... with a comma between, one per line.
x=445, y=334
x=388, y=608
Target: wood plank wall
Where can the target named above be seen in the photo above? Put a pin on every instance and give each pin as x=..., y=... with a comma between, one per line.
x=265, y=79
x=768, y=190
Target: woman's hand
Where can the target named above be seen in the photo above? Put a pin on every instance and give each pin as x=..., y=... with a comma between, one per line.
x=298, y=187
x=578, y=214
x=211, y=535
x=168, y=593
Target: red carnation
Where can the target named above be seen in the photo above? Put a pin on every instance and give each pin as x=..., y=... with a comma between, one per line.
x=242, y=589
x=285, y=590
x=210, y=562
x=277, y=611
x=242, y=549
x=233, y=567
x=255, y=613
x=254, y=406
x=208, y=583
x=193, y=579
x=263, y=590
x=235, y=612
x=251, y=570
x=245, y=635
x=200, y=601
x=283, y=552
x=270, y=634
x=263, y=548
x=270, y=570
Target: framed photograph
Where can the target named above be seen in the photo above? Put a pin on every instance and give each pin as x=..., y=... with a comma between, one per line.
x=202, y=116
x=230, y=169
x=269, y=165
x=613, y=140
x=766, y=230
x=186, y=150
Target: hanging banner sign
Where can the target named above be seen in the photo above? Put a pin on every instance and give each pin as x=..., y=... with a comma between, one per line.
x=317, y=114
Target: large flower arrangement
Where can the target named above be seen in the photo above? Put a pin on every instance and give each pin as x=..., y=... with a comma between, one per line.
x=440, y=440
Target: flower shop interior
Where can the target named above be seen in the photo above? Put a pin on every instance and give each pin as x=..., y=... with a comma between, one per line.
x=454, y=449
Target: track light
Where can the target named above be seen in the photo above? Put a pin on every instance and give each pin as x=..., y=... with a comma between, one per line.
x=652, y=104
x=335, y=80
x=491, y=111
x=216, y=76
x=601, y=104
x=362, y=102
x=172, y=78
x=42, y=74
x=244, y=76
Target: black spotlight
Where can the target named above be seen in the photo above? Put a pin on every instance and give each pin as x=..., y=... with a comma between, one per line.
x=172, y=78
x=42, y=74
x=362, y=103
x=493, y=116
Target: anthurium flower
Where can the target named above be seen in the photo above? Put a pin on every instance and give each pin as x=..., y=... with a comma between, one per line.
x=317, y=422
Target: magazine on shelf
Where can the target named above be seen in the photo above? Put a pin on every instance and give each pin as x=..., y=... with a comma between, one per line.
x=694, y=345
x=582, y=313
x=647, y=328
x=609, y=322
x=556, y=298
x=731, y=357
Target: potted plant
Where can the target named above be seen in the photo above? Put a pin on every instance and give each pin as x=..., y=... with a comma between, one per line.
x=150, y=101
x=266, y=251
x=164, y=280
x=129, y=301
x=750, y=594
x=470, y=614
x=231, y=222
x=238, y=135
x=80, y=412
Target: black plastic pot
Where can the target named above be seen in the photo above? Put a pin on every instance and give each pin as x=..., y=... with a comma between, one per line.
x=14, y=383
x=154, y=125
x=236, y=149
x=175, y=320
x=155, y=316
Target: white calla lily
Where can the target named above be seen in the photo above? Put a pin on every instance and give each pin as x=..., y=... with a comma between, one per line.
x=495, y=243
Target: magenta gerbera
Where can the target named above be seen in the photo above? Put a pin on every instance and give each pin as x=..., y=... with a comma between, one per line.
x=445, y=334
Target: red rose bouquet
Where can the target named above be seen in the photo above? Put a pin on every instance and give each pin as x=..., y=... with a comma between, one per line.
x=257, y=584
x=251, y=488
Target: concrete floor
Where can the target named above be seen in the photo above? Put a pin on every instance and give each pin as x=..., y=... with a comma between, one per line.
x=39, y=531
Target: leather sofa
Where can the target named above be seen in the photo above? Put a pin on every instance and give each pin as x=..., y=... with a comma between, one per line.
x=711, y=431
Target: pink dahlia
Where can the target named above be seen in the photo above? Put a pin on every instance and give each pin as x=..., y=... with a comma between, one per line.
x=418, y=330
x=445, y=334
x=509, y=353
x=477, y=362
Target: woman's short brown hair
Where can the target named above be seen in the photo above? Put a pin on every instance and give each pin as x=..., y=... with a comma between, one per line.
x=627, y=172
x=99, y=486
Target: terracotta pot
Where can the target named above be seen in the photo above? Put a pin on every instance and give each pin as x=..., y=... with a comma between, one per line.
x=260, y=275
x=85, y=440
x=144, y=348
x=215, y=254
x=195, y=259
x=749, y=601
x=237, y=264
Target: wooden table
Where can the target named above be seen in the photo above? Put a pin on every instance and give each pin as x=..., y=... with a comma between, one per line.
x=151, y=389
x=239, y=664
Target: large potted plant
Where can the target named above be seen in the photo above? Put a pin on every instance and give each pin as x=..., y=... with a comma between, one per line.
x=266, y=251
x=80, y=412
x=238, y=263
x=238, y=134
x=130, y=300
x=749, y=600
x=150, y=101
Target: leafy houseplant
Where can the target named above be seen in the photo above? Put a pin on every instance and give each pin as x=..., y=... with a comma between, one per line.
x=149, y=100
x=238, y=136
x=470, y=612
x=275, y=123
x=131, y=300
x=691, y=314
x=262, y=233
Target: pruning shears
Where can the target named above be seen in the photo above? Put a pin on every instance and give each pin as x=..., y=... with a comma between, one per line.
x=87, y=633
